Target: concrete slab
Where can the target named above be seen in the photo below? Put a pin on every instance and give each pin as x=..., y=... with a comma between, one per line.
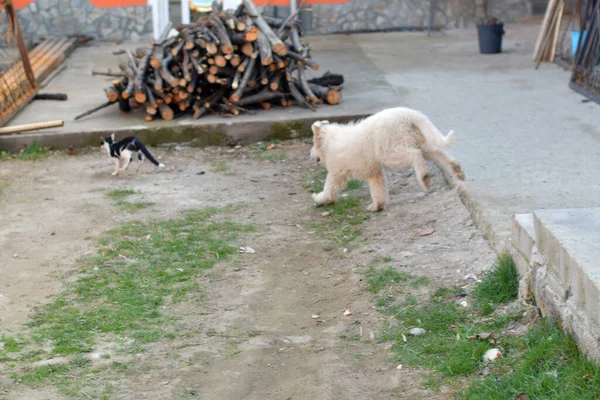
x=524, y=139
x=569, y=241
x=366, y=91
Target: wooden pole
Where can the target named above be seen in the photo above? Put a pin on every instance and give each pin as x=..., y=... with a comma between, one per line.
x=14, y=21
x=7, y=130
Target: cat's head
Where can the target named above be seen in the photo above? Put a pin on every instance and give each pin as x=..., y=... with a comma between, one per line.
x=105, y=143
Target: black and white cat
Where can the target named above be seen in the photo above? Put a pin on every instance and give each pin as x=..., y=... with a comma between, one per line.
x=124, y=150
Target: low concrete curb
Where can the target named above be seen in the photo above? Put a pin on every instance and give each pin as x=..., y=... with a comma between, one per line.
x=228, y=132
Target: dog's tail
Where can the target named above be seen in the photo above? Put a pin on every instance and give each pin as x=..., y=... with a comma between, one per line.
x=148, y=155
x=432, y=135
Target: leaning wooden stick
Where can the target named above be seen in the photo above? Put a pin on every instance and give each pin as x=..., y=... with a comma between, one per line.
x=93, y=110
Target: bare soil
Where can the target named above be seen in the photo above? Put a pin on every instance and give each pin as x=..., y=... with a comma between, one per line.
x=254, y=336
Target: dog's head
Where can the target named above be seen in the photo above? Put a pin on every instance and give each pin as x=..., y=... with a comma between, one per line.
x=317, y=153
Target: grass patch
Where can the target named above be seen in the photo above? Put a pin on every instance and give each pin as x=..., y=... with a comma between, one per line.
x=347, y=214
x=133, y=206
x=270, y=156
x=548, y=365
x=317, y=182
x=377, y=279
x=120, y=193
x=33, y=152
x=222, y=168
x=343, y=226
x=127, y=206
x=500, y=285
x=138, y=269
x=544, y=363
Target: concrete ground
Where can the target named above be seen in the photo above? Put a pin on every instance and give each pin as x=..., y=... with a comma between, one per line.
x=525, y=140
x=366, y=92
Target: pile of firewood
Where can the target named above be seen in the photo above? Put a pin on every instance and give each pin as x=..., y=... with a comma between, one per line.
x=224, y=63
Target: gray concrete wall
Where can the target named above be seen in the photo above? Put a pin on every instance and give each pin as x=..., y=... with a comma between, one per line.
x=44, y=18
x=373, y=15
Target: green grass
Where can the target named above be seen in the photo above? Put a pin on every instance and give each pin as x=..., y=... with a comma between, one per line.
x=377, y=279
x=544, y=363
x=547, y=365
x=133, y=206
x=127, y=206
x=500, y=285
x=270, y=156
x=221, y=167
x=120, y=291
x=317, y=182
x=120, y=193
x=344, y=225
x=33, y=152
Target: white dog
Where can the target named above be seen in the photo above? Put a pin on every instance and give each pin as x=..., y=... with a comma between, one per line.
x=392, y=138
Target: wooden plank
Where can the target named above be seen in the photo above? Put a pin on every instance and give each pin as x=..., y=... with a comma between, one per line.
x=556, y=33
x=544, y=29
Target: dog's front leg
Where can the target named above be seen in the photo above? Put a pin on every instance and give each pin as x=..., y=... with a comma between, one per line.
x=334, y=183
x=378, y=192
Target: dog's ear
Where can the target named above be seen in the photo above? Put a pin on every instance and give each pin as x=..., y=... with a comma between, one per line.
x=102, y=140
x=317, y=127
x=112, y=136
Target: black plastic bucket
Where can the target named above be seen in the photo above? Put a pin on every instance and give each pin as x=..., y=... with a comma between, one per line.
x=490, y=38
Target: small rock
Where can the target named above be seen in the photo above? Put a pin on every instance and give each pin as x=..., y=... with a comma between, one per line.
x=464, y=304
x=492, y=355
x=247, y=250
x=15, y=255
x=315, y=316
x=471, y=277
x=51, y=361
x=347, y=313
x=404, y=338
x=372, y=335
x=417, y=331
x=522, y=396
x=53, y=233
x=427, y=232
x=325, y=214
x=399, y=366
x=485, y=371
x=345, y=250
x=201, y=173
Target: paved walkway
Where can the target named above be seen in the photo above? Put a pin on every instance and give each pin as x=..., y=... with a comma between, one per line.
x=525, y=140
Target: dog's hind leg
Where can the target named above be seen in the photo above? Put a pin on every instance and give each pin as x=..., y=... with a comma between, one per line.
x=378, y=192
x=409, y=157
x=446, y=162
x=334, y=183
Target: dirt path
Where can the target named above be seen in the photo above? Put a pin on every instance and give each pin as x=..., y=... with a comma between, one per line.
x=254, y=337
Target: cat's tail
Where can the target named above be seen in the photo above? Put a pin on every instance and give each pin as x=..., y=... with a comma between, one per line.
x=149, y=156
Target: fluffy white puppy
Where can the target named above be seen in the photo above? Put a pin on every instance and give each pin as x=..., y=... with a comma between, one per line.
x=393, y=138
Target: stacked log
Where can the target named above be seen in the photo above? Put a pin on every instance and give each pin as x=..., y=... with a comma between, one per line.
x=223, y=63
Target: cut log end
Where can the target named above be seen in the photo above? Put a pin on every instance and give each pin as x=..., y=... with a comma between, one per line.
x=140, y=97
x=334, y=97
x=252, y=34
x=280, y=49
x=227, y=49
